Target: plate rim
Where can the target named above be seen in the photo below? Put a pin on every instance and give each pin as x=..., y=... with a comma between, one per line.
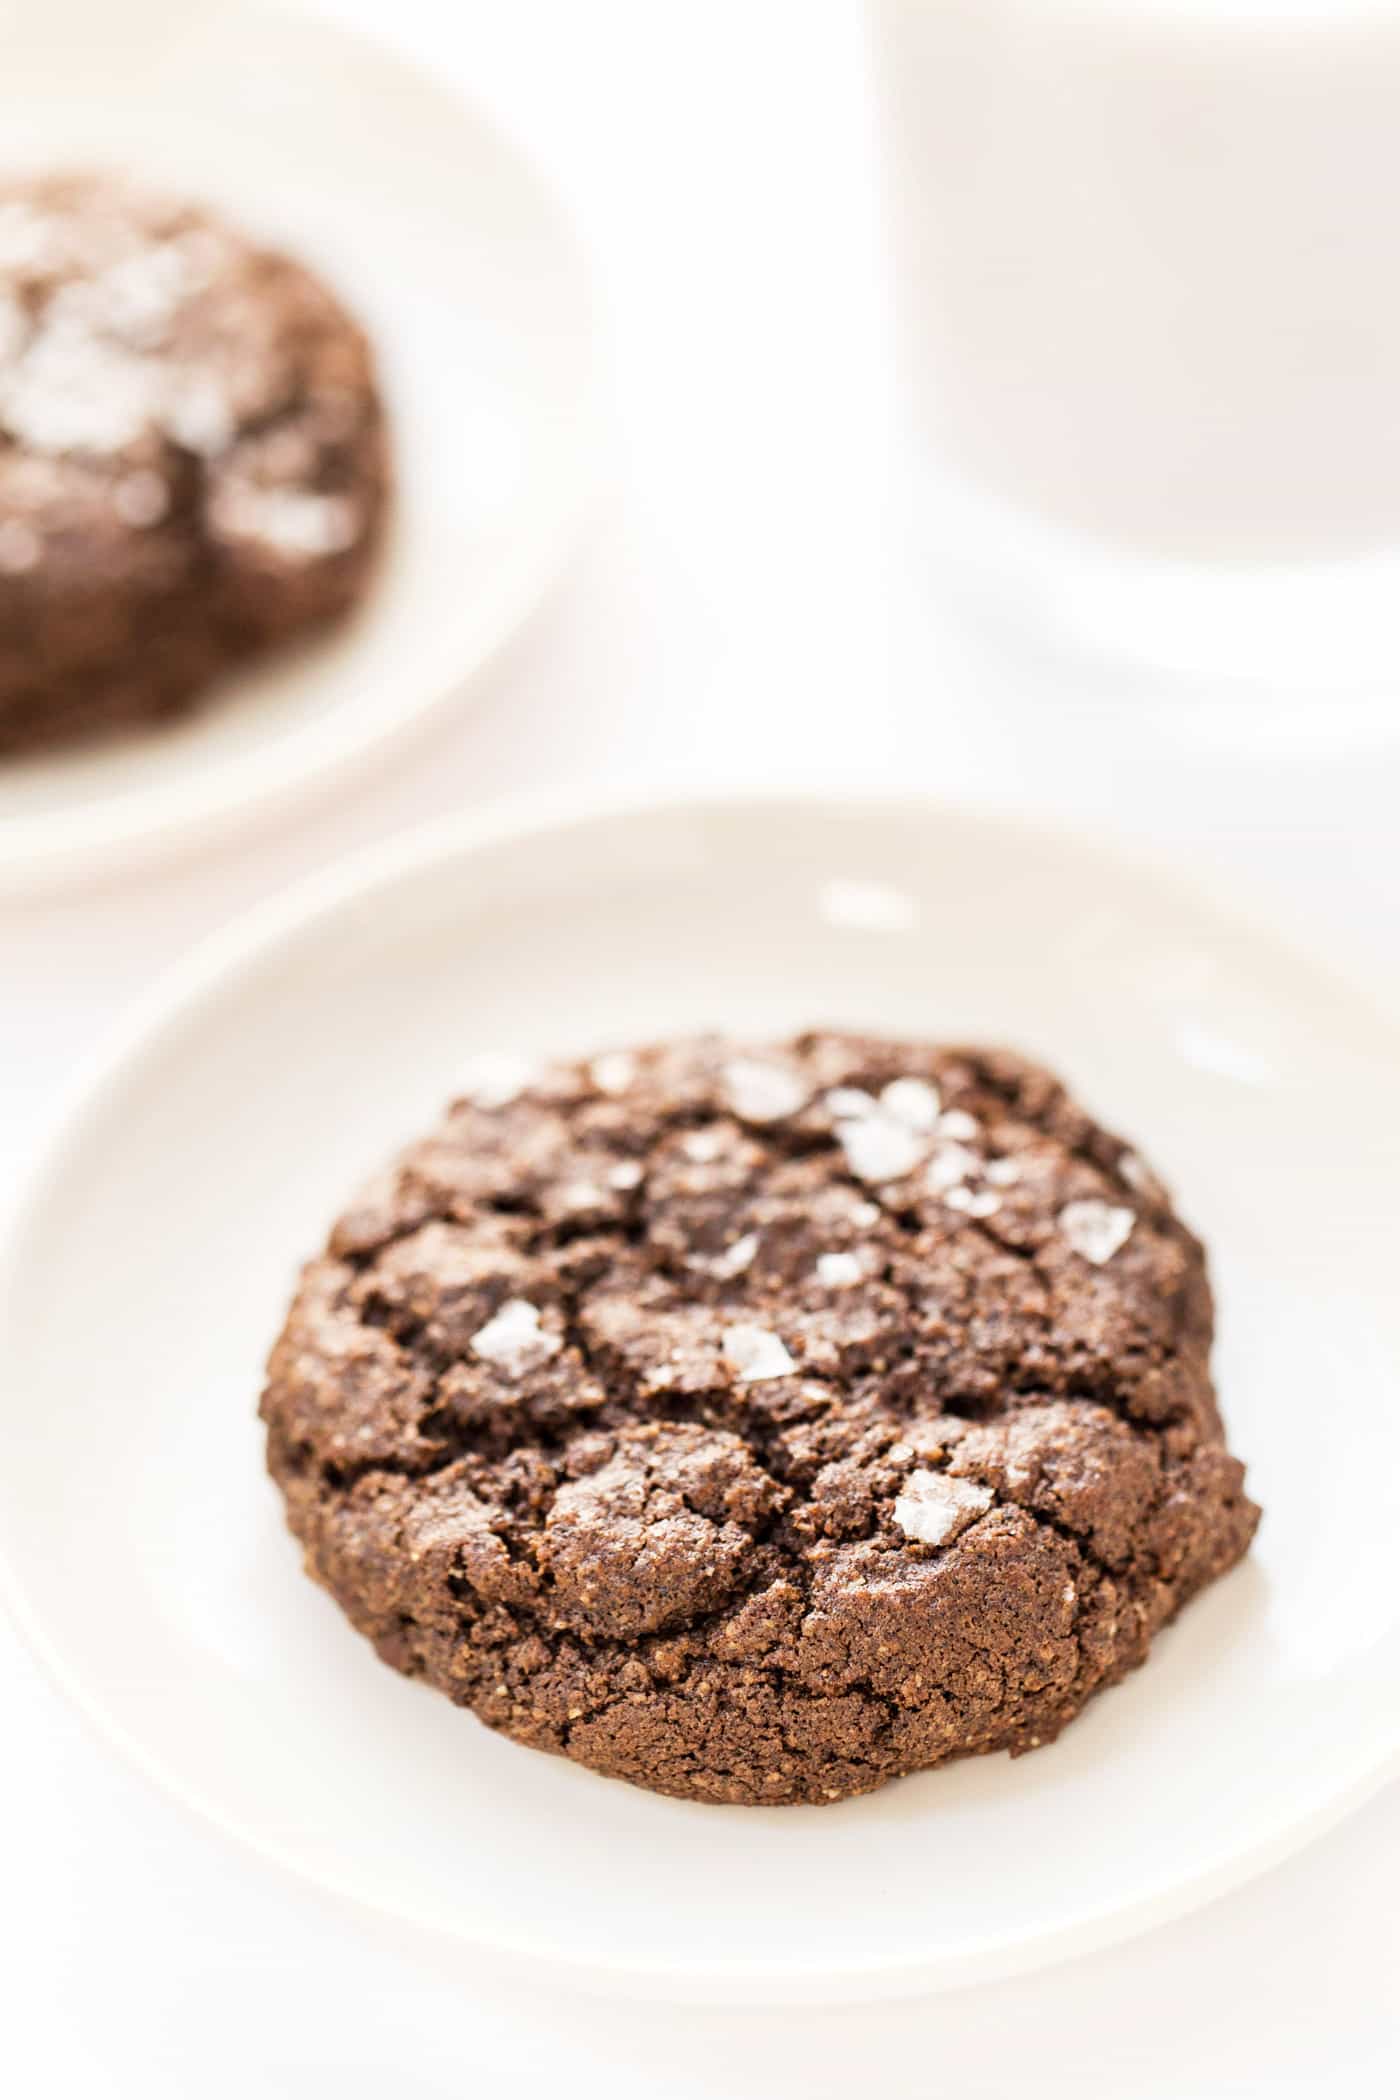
x=206, y=971
x=63, y=850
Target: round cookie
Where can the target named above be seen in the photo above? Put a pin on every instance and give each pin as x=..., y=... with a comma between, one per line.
x=192, y=456
x=760, y=1424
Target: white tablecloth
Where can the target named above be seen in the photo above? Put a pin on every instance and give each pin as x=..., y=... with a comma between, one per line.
x=743, y=609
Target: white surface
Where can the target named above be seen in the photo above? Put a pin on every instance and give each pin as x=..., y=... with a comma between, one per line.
x=465, y=274
x=271, y=1078
x=743, y=609
x=1150, y=312
x=1151, y=252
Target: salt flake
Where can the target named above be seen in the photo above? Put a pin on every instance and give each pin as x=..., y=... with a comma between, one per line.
x=734, y=1260
x=703, y=1145
x=756, y=1353
x=514, y=1340
x=71, y=392
x=199, y=416
x=292, y=523
x=973, y=1203
x=934, y=1508
x=1095, y=1229
x=762, y=1093
x=879, y=1149
x=581, y=1195
x=838, y=1270
x=613, y=1072
x=912, y=1102
x=951, y=1164
x=851, y=1101
x=957, y=1123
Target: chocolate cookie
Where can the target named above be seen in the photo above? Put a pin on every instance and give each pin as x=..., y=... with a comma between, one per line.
x=757, y=1425
x=192, y=456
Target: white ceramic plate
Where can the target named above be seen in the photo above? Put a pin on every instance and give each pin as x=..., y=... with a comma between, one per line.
x=152, y=1259
x=462, y=269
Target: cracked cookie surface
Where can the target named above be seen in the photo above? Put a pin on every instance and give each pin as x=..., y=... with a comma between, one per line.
x=759, y=1424
x=193, y=464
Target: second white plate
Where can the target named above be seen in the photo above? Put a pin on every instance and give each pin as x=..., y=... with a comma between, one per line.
x=441, y=239
x=152, y=1262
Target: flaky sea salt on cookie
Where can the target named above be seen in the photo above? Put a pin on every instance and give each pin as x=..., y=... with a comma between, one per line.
x=759, y=1423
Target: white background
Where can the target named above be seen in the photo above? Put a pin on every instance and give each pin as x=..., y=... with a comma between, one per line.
x=744, y=608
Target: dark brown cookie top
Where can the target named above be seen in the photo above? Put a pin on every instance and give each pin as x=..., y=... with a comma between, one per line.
x=840, y=1363
x=191, y=442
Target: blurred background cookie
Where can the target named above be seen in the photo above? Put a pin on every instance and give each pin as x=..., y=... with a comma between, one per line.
x=193, y=461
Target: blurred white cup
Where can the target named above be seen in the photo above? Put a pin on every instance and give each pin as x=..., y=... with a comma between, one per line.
x=1149, y=258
